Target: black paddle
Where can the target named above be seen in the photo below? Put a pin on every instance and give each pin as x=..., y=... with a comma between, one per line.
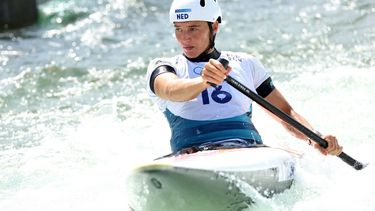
x=282, y=115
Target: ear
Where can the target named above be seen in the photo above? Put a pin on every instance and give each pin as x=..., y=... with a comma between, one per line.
x=215, y=27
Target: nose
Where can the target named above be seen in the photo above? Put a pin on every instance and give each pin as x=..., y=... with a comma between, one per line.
x=186, y=35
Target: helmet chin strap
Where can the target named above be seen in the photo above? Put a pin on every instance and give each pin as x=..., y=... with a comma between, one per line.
x=212, y=37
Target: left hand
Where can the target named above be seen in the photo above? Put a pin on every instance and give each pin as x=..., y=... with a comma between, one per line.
x=333, y=146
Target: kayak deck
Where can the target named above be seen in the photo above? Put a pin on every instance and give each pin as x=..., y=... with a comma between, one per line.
x=198, y=182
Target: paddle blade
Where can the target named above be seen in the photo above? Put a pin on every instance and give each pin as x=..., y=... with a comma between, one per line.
x=352, y=162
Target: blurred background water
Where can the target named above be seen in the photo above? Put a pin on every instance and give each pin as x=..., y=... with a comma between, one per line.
x=75, y=116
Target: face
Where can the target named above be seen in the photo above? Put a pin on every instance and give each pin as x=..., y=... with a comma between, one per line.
x=193, y=36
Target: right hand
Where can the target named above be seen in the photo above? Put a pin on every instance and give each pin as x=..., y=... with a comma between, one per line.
x=214, y=72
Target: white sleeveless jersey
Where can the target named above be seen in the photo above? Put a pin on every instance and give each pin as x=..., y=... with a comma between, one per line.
x=214, y=103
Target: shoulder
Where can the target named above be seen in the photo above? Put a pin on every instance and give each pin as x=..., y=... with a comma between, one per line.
x=169, y=61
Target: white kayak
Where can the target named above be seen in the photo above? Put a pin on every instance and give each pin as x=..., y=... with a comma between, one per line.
x=209, y=180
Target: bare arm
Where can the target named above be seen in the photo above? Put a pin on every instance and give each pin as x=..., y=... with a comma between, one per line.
x=170, y=87
x=278, y=100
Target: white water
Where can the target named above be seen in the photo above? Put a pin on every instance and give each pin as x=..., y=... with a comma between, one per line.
x=327, y=183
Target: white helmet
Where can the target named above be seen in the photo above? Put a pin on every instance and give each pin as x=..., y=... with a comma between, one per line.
x=195, y=10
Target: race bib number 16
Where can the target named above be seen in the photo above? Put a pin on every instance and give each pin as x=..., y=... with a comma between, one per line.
x=218, y=95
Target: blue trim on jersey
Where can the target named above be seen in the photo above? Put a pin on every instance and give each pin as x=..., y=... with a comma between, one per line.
x=188, y=133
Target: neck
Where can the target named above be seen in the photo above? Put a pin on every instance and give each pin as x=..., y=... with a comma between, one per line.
x=212, y=53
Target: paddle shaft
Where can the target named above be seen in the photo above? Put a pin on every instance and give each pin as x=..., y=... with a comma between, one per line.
x=285, y=117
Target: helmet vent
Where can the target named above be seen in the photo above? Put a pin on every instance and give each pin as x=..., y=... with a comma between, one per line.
x=203, y=3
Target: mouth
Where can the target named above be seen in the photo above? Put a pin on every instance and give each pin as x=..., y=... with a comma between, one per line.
x=188, y=48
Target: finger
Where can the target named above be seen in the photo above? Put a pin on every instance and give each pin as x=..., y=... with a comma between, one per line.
x=335, y=148
x=321, y=149
x=335, y=145
x=214, y=68
x=218, y=65
x=228, y=70
x=332, y=143
x=337, y=151
x=212, y=76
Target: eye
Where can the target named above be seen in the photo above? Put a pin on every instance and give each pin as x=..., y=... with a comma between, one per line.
x=194, y=29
